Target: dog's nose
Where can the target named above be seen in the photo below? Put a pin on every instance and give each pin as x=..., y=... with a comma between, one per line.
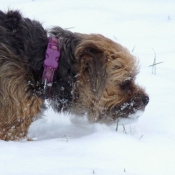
x=145, y=100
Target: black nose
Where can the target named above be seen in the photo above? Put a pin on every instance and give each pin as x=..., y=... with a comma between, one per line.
x=145, y=100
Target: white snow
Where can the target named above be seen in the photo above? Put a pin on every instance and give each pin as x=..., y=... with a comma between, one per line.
x=67, y=144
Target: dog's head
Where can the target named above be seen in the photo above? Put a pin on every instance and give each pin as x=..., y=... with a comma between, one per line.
x=105, y=88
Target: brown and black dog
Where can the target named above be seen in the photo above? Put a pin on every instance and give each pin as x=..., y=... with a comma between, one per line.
x=95, y=76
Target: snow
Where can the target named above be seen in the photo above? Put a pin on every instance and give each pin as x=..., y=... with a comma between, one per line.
x=69, y=145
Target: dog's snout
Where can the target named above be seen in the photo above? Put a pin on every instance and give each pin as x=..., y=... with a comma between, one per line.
x=145, y=100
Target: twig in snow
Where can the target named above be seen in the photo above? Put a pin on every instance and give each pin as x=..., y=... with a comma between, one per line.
x=117, y=125
x=115, y=37
x=141, y=136
x=154, y=63
x=124, y=130
x=133, y=48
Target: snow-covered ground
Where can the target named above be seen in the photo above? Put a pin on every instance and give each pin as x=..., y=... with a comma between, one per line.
x=67, y=145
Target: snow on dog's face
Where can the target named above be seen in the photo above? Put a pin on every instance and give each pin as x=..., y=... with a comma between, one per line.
x=105, y=88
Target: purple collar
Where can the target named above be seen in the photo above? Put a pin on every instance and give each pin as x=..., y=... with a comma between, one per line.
x=50, y=63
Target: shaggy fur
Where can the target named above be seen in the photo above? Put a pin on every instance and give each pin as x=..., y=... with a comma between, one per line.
x=95, y=76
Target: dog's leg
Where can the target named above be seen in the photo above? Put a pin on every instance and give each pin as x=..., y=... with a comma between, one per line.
x=18, y=104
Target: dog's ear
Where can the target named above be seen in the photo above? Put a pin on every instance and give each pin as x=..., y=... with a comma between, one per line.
x=93, y=67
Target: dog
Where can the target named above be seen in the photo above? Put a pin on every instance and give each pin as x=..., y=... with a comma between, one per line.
x=84, y=74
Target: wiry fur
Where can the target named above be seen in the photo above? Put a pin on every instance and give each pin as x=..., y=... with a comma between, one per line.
x=95, y=76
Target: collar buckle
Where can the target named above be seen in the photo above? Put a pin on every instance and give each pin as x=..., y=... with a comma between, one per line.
x=50, y=64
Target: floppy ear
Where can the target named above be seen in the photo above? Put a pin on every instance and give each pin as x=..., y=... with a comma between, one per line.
x=93, y=66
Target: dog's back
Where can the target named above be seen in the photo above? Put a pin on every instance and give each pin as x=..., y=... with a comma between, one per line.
x=27, y=38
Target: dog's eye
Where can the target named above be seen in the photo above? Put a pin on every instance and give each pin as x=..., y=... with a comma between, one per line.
x=125, y=85
x=91, y=50
x=116, y=67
